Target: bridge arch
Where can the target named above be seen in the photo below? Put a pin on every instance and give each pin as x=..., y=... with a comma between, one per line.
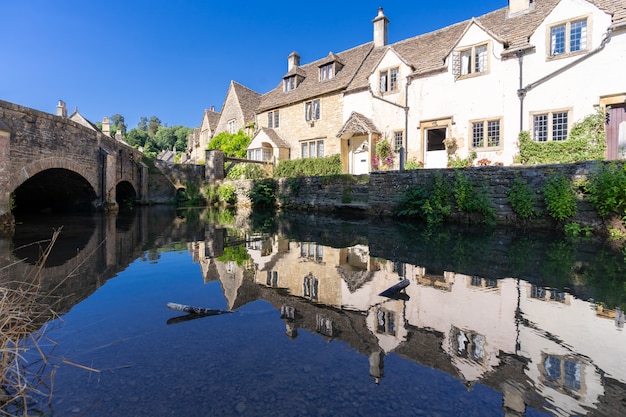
x=53, y=184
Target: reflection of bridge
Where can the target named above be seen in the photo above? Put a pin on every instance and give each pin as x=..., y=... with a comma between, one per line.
x=47, y=160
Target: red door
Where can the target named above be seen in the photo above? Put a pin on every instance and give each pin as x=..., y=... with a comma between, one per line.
x=616, y=120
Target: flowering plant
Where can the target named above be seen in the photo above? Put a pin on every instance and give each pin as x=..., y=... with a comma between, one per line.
x=383, y=153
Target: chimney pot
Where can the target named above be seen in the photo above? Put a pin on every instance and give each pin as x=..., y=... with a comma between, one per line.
x=381, y=24
x=293, y=61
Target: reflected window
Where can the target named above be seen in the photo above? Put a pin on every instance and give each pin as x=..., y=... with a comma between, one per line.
x=310, y=287
x=324, y=325
x=467, y=344
x=562, y=372
x=476, y=281
x=386, y=322
x=287, y=312
x=538, y=292
x=312, y=251
x=272, y=279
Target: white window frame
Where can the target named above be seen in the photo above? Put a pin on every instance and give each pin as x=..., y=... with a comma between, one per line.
x=312, y=110
x=489, y=128
x=289, y=83
x=389, y=80
x=231, y=126
x=312, y=148
x=474, y=60
x=550, y=126
x=560, y=48
x=398, y=140
x=273, y=119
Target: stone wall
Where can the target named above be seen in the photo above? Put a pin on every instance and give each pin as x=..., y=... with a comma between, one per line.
x=377, y=194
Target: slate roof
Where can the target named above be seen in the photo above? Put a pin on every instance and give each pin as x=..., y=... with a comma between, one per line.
x=278, y=141
x=213, y=118
x=425, y=53
x=311, y=86
x=248, y=100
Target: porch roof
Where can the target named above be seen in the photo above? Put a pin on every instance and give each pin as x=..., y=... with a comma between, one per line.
x=357, y=124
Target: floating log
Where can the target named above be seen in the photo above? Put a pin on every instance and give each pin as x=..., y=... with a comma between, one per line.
x=395, y=290
x=196, y=310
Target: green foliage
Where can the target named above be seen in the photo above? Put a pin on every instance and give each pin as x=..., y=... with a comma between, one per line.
x=560, y=197
x=227, y=194
x=575, y=231
x=308, y=167
x=413, y=164
x=522, y=198
x=469, y=201
x=136, y=138
x=237, y=254
x=346, y=197
x=606, y=189
x=190, y=195
x=454, y=161
x=232, y=144
x=118, y=124
x=586, y=141
x=263, y=195
x=431, y=205
x=242, y=171
x=212, y=194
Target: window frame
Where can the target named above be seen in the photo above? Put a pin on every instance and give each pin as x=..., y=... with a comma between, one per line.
x=312, y=110
x=231, y=126
x=327, y=71
x=549, y=124
x=392, y=80
x=273, y=119
x=289, y=83
x=567, y=37
x=486, y=144
x=473, y=60
x=316, y=145
x=398, y=137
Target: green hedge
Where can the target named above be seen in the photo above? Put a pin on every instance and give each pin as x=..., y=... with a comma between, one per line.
x=308, y=167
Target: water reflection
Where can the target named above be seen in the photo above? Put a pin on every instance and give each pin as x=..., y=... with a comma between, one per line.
x=514, y=313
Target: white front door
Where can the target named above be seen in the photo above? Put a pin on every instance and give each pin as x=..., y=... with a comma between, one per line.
x=436, y=155
x=360, y=156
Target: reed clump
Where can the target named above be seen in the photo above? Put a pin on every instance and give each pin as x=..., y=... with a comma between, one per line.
x=23, y=312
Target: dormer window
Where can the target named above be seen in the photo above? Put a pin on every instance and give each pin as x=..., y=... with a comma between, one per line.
x=327, y=71
x=389, y=80
x=290, y=83
x=474, y=60
x=568, y=37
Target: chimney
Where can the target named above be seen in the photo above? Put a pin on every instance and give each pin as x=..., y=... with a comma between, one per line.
x=293, y=61
x=118, y=135
x=380, y=28
x=213, y=109
x=61, y=109
x=517, y=7
x=106, y=126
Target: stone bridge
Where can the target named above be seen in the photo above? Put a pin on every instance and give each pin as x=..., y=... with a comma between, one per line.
x=53, y=163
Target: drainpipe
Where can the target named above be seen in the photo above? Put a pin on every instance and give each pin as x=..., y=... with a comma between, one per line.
x=406, y=116
x=522, y=91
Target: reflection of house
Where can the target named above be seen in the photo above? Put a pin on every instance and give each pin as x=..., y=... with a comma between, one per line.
x=200, y=138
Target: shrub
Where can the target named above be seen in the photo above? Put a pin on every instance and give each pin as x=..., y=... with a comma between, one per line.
x=227, y=194
x=560, y=197
x=607, y=189
x=232, y=144
x=413, y=164
x=263, y=195
x=431, y=205
x=470, y=201
x=308, y=167
x=454, y=161
x=246, y=172
x=522, y=198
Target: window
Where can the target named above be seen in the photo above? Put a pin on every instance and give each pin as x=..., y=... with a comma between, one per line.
x=327, y=72
x=310, y=287
x=290, y=83
x=312, y=149
x=398, y=140
x=563, y=373
x=272, y=279
x=260, y=154
x=473, y=60
x=389, y=80
x=385, y=322
x=486, y=134
x=550, y=126
x=312, y=110
x=568, y=37
x=273, y=119
x=231, y=126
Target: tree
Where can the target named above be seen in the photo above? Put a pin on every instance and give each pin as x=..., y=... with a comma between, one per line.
x=136, y=138
x=143, y=124
x=153, y=125
x=118, y=124
x=232, y=144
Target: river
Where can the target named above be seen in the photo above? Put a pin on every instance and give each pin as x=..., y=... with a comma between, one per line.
x=492, y=322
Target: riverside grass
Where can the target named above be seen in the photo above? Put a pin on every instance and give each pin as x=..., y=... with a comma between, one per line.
x=26, y=373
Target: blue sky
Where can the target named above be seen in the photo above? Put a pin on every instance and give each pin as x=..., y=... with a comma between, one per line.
x=173, y=59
